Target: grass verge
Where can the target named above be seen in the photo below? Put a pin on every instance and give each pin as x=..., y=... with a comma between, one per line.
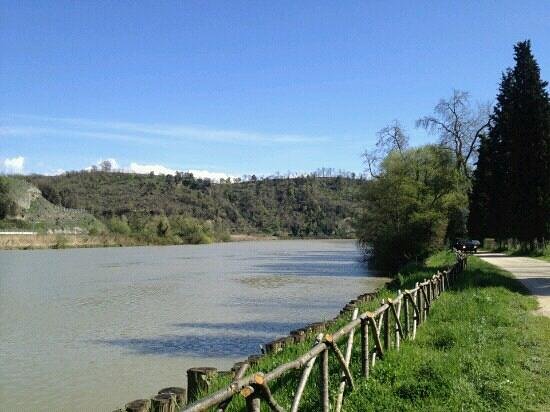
x=541, y=254
x=481, y=349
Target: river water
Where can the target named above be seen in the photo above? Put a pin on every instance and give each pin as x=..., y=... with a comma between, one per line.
x=91, y=329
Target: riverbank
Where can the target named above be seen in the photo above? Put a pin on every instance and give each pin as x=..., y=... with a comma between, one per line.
x=68, y=241
x=65, y=241
x=482, y=348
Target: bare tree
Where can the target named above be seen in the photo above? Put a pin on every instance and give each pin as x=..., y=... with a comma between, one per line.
x=106, y=166
x=390, y=138
x=458, y=126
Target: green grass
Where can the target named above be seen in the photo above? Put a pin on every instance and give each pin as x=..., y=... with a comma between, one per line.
x=542, y=254
x=481, y=349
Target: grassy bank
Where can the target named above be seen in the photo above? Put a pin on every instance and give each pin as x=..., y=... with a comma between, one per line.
x=67, y=241
x=542, y=254
x=482, y=348
x=64, y=241
x=513, y=248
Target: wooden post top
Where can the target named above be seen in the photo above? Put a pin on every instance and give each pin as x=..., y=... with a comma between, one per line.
x=247, y=391
x=259, y=378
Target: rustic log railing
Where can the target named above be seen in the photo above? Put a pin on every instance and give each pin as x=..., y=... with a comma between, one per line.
x=382, y=330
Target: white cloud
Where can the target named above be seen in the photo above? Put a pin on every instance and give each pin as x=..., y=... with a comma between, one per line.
x=14, y=165
x=163, y=170
x=55, y=172
x=145, y=169
x=159, y=169
x=24, y=125
x=215, y=176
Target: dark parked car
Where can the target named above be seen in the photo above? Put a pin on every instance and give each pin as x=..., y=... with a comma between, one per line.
x=466, y=245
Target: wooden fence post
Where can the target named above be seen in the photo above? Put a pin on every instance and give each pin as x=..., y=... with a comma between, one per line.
x=325, y=401
x=347, y=359
x=365, y=347
x=180, y=394
x=139, y=405
x=163, y=402
x=253, y=403
x=303, y=380
x=419, y=304
x=199, y=381
x=386, y=316
x=406, y=316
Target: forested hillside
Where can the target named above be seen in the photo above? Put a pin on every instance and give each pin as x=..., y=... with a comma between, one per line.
x=23, y=207
x=303, y=206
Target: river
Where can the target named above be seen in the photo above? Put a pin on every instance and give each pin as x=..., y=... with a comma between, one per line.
x=91, y=329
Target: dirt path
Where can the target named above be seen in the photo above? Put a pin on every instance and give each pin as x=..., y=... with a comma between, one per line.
x=533, y=273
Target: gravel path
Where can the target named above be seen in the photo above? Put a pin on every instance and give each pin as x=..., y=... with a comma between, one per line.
x=533, y=273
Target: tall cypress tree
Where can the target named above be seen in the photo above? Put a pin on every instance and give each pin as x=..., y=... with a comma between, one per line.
x=519, y=143
x=480, y=217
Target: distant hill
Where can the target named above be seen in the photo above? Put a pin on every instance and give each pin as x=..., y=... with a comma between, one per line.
x=28, y=209
x=302, y=206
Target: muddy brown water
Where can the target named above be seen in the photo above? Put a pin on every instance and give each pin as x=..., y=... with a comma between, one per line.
x=91, y=329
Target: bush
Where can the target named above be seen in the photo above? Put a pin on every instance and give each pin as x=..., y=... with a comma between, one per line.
x=119, y=225
x=60, y=242
x=191, y=230
x=408, y=207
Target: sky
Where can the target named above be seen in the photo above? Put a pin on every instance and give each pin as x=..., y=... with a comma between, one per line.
x=233, y=88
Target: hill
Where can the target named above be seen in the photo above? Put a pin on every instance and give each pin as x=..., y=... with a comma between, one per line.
x=299, y=207
x=26, y=208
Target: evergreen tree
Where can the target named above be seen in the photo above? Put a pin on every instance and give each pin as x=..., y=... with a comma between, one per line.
x=480, y=222
x=512, y=185
x=524, y=135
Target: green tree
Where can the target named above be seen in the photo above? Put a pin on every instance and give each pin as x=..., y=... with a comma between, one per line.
x=4, y=199
x=406, y=207
x=119, y=225
x=480, y=219
x=163, y=227
x=519, y=146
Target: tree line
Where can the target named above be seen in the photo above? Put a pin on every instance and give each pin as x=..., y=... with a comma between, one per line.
x=488, y=174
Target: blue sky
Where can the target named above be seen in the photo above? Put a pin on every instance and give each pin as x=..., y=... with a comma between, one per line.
x=241, y=87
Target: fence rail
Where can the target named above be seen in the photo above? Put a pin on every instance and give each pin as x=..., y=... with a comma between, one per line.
x=381, y=330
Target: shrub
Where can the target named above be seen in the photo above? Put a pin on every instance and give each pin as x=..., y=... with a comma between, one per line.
x=119, y=225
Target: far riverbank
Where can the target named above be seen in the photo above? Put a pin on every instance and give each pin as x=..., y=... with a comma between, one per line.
x=69, y=241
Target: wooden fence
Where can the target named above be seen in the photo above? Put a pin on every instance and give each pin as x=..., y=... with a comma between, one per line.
x=381, y=330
